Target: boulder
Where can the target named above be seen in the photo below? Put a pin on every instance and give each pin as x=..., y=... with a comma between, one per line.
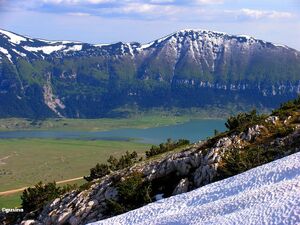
x=182, y=187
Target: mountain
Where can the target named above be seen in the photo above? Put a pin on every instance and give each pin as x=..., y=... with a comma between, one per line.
x=267, y=194
x=251, y=140
x=189, y=68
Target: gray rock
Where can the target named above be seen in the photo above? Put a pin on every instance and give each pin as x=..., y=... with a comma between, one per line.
x=182, y=187
x=252, y=133
x=28, y=222
x=54, y=202
x=74, y=220
x=110, y=193
x=223, y=142
x=183, y=166
x=272, y=119
x=64, y=217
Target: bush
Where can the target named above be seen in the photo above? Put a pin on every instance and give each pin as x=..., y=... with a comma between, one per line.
x=165, y=147
x=114, y=164
x=36, y=197
x=243, y=120
x=85, y=186
x=100, y=170
x=286, y=109
x=133, y=193
x=125, y=161
x=283, y=131
x=238, y=161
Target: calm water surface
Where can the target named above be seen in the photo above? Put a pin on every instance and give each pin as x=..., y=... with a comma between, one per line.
x=194, y=130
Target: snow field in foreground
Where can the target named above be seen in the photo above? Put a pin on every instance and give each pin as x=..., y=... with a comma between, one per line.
x=269, y=194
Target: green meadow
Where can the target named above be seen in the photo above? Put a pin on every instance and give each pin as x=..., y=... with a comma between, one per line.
x=24, y=162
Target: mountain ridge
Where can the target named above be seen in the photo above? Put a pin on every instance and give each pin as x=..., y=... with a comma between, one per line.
x=136, y=46
x=185, y=69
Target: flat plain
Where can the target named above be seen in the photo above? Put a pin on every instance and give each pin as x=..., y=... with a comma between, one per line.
x=24, y=162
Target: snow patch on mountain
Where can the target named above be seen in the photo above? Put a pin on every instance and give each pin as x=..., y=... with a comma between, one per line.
x=269, y=194
x=74, y=48
x=102, y=45
x=19, y=53
x=45, y=49
x=280, y=45
x=54, y=48
x=16, y=39
x=6, y=53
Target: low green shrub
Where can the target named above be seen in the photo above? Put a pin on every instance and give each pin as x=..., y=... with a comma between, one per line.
x=237, y=161
x=165, y=147
x=85, y=186
x=114, y=164
x=100, y=170
x=287, y=109
x=133, y=193
x=36, y=197
x=243, y=120
x=283, y=131
x=124, y=161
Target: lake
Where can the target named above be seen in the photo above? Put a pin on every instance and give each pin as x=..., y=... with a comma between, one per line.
x=193, y=130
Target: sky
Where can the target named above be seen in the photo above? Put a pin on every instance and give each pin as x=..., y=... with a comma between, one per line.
x=110, y=21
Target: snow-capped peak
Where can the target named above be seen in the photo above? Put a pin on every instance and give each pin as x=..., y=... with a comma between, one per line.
x=193, y=40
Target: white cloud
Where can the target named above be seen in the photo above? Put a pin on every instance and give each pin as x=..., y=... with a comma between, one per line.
x=78, y=1
x=172, y=10
x=99, y=1
x=209, y=2
x=61, y=1
x=173, y=2
x=142, y=10
x=79, y=14
x=260, y=14
x=161, y=1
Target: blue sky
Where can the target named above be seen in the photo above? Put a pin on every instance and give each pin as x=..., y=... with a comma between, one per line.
x=109, y=21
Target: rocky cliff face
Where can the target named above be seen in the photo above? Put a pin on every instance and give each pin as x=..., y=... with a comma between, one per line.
x=189, y=68
x=176, y=173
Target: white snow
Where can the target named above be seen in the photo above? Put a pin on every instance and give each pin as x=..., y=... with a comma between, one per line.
x=130, y=49
x=74, y=48
x=201, y=31
x=45, y=49
x=101, y=45
x=280, y=45
x=269, y=194
x=19, y=53
x=58, y=42
x=5, y=52
x=16, y=39
x=144, y=46
x=245, y=36
x=53, y=48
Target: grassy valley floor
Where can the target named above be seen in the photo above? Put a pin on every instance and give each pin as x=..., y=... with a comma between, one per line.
x=24, y=162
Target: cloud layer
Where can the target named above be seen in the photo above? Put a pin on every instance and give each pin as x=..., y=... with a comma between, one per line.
x=174, y=10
